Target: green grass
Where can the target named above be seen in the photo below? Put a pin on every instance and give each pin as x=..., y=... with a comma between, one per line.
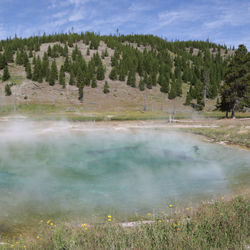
x=218, y=225
x=231, y=135
x=77, y=113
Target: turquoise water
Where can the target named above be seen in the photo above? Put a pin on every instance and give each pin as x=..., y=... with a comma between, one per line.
x=102, y=171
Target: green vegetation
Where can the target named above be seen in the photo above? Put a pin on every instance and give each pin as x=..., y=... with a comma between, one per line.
x=7, y=90
x=106, y=88
x=218, y=225
x=6, y=74
x=236, y=90
x=231, y=135
x=200, y=65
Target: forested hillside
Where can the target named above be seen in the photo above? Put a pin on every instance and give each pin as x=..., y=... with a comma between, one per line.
x=192, y=69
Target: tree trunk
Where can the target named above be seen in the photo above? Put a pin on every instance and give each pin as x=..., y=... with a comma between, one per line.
x=233, y=110
x=227, y=114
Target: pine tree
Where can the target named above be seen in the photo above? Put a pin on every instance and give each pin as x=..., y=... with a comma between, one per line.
x=53, y=76
x=141, y=85
x=122, y=75
x=188, y=99
x=65, y=50
x=6, y=74
x=49, y=52
x=2, y=61
x=131, y=79
x=37, y=70
x=100, y=72
x=148, y=81
x=7, y=90
x=54, y=70
x=28, y=71
x=80, y=77
x=236, y=89
x=113, y=74
x=30, y=54
x=106, y=53
x=66, y=65
x=93, y=83
x=47, y=74
x=164, y=84
x=80, y=93
x=179, y=86
x=72, y=78
x=62, y=77
x=19, y=58
x=106, y=88
x=173, y=91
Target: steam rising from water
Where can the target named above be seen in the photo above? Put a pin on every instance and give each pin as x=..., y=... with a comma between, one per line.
x=70, y=170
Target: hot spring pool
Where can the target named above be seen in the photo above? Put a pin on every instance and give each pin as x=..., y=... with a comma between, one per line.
x=93, y=172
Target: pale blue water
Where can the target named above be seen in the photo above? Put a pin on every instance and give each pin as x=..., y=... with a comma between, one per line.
x=97, y=172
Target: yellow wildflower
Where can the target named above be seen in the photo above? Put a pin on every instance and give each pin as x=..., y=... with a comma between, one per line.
x=109, y=219
x=51, y=223
x=12, y=245
x=149, y=214
x=41, y=221
x=83, y=225
x=159, y=221
x=48, y=221
x=24, y=246
x=187, y=208
x=109, y=216
x=179, y=224
x=174, y=225
x=38, y=237
x=170, y=205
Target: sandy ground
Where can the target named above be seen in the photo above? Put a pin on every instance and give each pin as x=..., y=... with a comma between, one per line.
x=123, y=125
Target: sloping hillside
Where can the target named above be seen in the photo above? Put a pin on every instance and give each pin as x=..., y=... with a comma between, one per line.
x=140, y=72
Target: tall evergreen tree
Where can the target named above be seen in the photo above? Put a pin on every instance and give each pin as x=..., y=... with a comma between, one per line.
x=2, y=61
x=7, y=90
x=131, y=79
x=236, y=89
x=106, y=88
x=53, y=76
x=141, y=84
x=72, y=77
x=100, y=72
x=164, y=84
x=173, y=90
x=62, y=77
x=28, y=71
x=113, y=74
x=80, y=93
x=6, y=74
x=179, y=86
x=93, y=83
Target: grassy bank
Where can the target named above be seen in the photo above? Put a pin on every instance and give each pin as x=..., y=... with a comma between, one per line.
x=230, y=135
x=79, y=113
x=218, y=225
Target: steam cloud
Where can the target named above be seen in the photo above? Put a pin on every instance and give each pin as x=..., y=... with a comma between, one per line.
x=60, y=168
